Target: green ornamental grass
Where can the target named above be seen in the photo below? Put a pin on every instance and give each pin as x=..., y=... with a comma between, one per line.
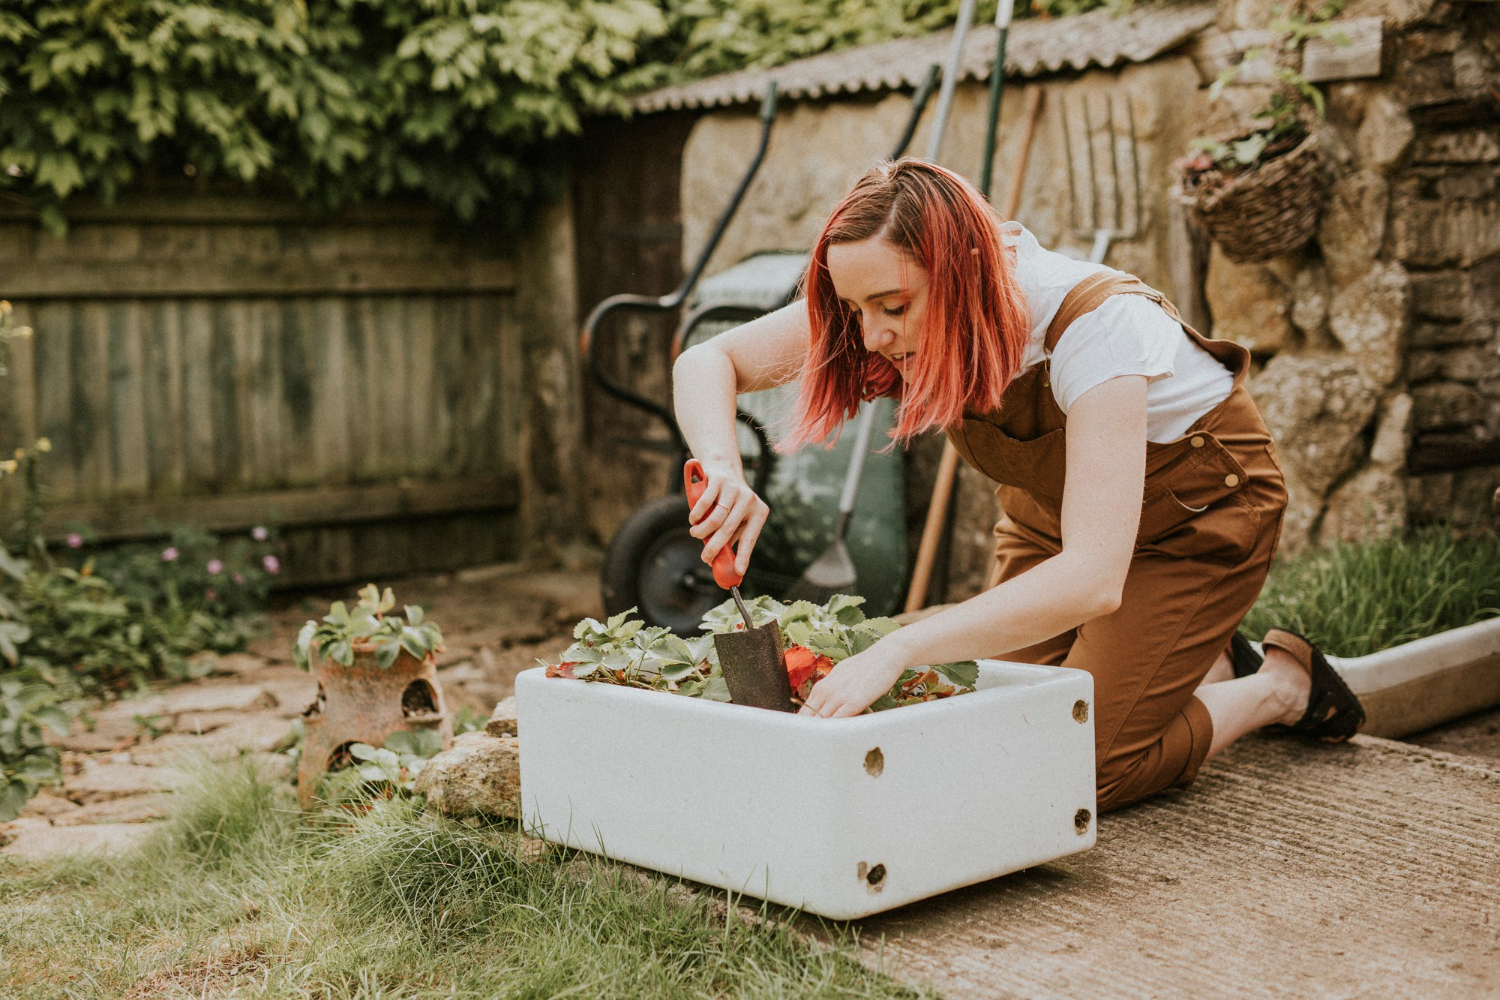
x=241, y=895
x=1356, y=598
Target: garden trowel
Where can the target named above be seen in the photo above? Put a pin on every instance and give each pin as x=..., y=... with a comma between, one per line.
x=752, y=659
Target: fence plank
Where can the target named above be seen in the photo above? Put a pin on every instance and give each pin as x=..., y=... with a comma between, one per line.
x=296, y=392
x=390, y=389
x=198, y=445
x=127, y=401
x=164, y=428
x=364, y=379
x=422, y=447
x=54, y=393
x=330, y=390
x=228, y=449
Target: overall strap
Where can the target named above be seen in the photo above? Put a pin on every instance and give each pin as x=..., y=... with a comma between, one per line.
x=1088, y=295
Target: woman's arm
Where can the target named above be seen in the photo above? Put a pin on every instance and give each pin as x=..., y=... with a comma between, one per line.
x=706, y=379
x=1101, y=512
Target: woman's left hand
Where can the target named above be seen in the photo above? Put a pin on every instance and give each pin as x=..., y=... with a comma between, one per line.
x=851, y=686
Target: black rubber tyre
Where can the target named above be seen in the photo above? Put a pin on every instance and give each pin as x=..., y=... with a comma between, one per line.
x=653, y=564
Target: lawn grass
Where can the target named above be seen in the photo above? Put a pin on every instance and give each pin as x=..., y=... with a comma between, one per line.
x=239, y=895
x=1356, y=598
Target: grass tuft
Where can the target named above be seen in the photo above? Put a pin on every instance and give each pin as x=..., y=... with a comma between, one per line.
x=241, y=895
x=1356, y=598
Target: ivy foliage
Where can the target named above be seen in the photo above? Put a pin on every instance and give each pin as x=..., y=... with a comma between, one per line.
x=463, y=103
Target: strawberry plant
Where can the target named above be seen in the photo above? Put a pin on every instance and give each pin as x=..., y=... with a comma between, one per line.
x=815, y=636
x=369, y=622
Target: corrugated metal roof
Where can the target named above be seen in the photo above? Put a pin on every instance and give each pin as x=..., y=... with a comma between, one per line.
x=1098, y=38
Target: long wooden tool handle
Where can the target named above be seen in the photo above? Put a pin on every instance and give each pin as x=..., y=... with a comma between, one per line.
x=942, y=489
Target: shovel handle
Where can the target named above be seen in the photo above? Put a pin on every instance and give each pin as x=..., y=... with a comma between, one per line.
x=694, y=482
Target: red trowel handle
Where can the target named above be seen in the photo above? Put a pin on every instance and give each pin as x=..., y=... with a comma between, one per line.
x=695, y=481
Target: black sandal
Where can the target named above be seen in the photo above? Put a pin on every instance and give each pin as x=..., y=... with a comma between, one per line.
x=1243, y=659
x=1333, y=712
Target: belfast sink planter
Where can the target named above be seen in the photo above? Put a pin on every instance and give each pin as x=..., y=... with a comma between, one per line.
x=839, y=817
x=1425, y=683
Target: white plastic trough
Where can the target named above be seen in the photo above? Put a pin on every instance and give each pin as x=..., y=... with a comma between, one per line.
x=839, y=817
x=1421, y=684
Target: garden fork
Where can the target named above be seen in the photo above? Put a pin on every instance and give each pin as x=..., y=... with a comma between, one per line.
x=1114, y=204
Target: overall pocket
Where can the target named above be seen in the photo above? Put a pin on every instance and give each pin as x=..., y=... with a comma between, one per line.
x=1195, y=503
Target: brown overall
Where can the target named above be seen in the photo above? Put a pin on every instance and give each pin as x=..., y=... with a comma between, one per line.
x=1210, y=521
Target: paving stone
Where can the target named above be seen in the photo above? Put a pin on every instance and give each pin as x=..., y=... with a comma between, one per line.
x=240, y=663
x=16, y=828
x=292, y=695
x=109, y=838
x=98, y=782
x=135, y=809
x=48, y=804
x=217, y=698
x=261, y=732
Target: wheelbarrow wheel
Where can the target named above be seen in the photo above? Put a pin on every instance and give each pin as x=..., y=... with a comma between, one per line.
x=655, y=565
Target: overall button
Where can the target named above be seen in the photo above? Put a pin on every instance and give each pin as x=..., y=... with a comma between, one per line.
x=1196, y=441
x=1231, y=480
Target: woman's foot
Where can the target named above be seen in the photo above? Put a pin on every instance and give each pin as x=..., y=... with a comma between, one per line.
x=1291, y=681
x=1318, y=702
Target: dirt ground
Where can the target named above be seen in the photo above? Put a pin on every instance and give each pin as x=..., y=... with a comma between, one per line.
x=1288, y=870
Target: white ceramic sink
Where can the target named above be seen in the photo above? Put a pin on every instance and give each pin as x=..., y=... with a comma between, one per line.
x=840, y=817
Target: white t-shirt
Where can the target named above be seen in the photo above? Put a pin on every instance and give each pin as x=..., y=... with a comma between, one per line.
x=1126, y=335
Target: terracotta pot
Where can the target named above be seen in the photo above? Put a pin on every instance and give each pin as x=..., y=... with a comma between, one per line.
x=365, y=703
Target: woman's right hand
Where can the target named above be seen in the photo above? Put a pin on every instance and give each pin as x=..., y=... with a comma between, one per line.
x=729, y=511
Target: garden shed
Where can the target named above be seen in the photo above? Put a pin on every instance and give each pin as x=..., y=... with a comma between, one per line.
x=1375, y=345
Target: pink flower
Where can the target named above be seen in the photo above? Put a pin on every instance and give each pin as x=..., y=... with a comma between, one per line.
x=169, y=554
x=272, y=564
x=75, y=540
x=238, y=578
x=215, y=567
x=211, y=594
x=259, y=533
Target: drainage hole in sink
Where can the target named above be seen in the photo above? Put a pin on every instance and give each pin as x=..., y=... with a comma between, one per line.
x=1080, y=711
x=874, y=762
x=1081, y=821
x=874, y=877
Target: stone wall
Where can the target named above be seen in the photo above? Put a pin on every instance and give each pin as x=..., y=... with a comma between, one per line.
x=1378, y=340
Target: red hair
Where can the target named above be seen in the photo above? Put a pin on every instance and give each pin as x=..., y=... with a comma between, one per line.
x=975, y=328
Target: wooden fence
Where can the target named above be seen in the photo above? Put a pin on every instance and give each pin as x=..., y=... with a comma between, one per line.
x=232, y=362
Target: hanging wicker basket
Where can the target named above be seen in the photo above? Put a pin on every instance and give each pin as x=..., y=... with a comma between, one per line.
x=1263, y=212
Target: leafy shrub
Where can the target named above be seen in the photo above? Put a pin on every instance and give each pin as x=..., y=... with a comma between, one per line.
x=196, y=570
x=460, y=102
x=29, y=700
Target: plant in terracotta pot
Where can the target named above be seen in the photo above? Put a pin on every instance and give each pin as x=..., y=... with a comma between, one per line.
x=377, y=675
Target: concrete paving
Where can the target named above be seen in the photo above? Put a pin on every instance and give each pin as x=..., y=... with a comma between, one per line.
x=1288, y=870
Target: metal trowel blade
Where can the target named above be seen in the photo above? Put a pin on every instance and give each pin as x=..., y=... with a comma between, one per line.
x=754, y=667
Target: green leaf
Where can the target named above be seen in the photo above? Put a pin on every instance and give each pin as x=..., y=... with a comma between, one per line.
x=13, y=798
x=413, y=614
x=964, y=673
x=362, y=751
x=386, y=654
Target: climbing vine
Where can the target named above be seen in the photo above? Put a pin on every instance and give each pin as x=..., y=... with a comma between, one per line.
x=459, y=102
